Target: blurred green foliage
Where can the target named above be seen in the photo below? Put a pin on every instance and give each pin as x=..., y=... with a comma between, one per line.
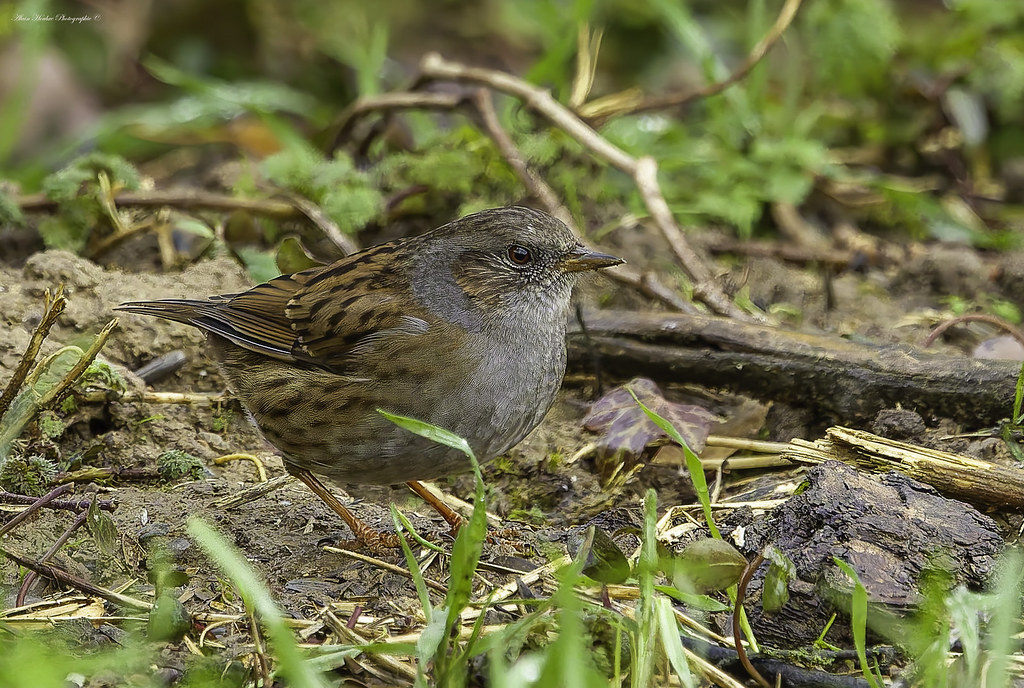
x=858, y=92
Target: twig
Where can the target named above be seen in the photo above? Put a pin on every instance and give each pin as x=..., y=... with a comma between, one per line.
x=66, y=578
x=648, y=284
x=318, y=217
x=433, y=66
x=65, y=504
x=62, y=388
x=618, y=104
x=35, y=504
x=252, y=493
x=380, y=563
x=737, y=635
x=348, y=635
x=643, y=170
x=974, y=317
x=829, y=256
x=182, y=200
x=533, y=182
x=55, y=305
x=402, y=100
x=201, y=398
x=91, y=473
x=115, y=239
x=262, y=662
x=58, y=543
x=704, y=287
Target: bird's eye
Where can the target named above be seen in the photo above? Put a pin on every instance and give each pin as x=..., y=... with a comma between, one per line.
x=520, y=255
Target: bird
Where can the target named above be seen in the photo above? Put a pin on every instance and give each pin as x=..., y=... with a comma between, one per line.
x=462, y=327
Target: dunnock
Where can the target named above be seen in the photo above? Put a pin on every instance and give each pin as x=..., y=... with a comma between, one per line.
x=462, y=327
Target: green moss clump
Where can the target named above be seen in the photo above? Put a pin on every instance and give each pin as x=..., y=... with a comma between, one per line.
x=176, y=464
x=27, y=475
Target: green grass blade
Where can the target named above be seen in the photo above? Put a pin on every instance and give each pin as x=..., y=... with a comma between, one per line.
x=1002, y=635
x=431, y=432
x=292, y=663
x=859, y=621
x=646, y=568
x=668, y=632
x=414, y=566
x=693, y=465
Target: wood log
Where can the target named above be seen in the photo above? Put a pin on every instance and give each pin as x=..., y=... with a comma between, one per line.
x=837, y=378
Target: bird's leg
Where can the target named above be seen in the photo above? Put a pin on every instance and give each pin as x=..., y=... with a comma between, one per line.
x=453, y=519
x=363, y=532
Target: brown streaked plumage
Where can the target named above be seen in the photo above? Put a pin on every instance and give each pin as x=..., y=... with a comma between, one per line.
x=462, y=327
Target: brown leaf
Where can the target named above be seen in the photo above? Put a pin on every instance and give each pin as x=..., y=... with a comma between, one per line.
x=626, y=429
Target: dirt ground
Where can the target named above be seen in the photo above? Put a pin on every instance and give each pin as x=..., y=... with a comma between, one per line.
x=896, y=301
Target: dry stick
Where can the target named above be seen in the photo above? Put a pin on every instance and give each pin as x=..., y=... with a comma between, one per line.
x=65, y=504
x=62, y=388
x=737, y=636
x=757, y=53
x=380, y=563
x=58, y=543
x=36, y=504
x=253, y=493
x=704, y=287
x=318, y=217
x=974, y=317
x=829, y=374
x=403, y=100
x=347, y=634
x=55, y=305
x=830, y=256
x=537, y=186
x=643, y=170
x=93, y=473
x=66, y=578
x=110, y=242
x=182, y=200
x=200, y=398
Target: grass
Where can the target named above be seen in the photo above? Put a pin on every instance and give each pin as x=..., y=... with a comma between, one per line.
x=569, y=638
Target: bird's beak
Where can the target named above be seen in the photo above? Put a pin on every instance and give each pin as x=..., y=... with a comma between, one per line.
x=582, y=258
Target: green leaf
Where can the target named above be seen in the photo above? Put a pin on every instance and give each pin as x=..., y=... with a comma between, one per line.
x=781, y=570
x=59, y=234
x=292, y=257
x=101, y=527
x=10, y=211
x=261, y=264
x=168, y=620
x=707, y=564
x=668, y=631
x=353, y=207
x=704, y=603
x=603, y=560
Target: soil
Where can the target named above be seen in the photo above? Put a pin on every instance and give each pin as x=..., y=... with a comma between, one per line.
x=550, y=497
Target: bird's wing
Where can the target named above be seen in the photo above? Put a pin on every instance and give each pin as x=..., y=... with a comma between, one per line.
x=325, y=316
x=354, y=307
